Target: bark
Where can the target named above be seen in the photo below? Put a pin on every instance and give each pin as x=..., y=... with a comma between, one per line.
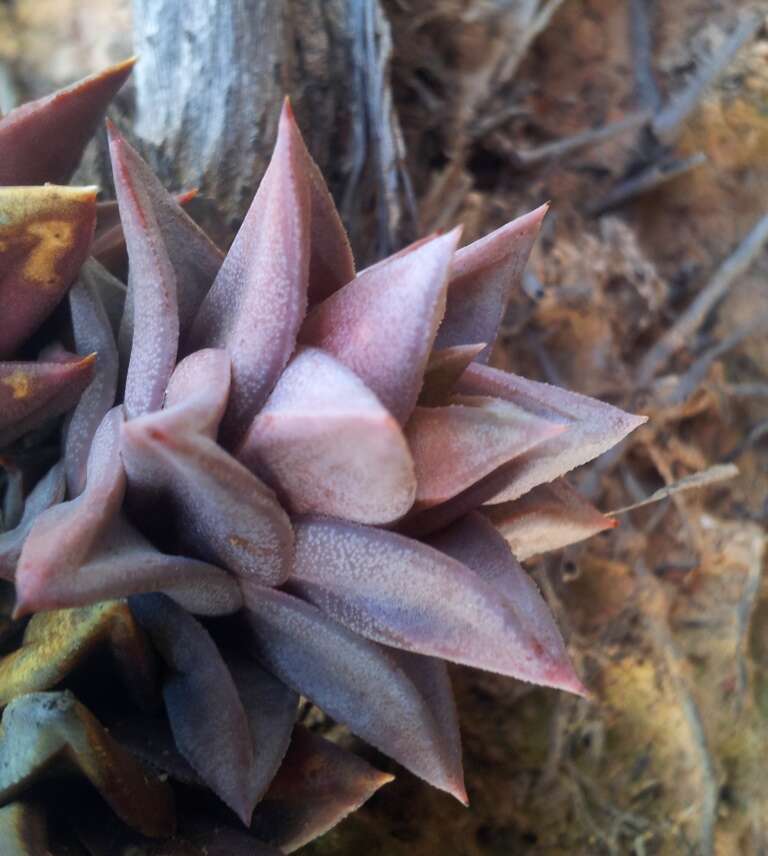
x=209, y=87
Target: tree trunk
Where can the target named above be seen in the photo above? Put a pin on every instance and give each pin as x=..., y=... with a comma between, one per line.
x=209, y=87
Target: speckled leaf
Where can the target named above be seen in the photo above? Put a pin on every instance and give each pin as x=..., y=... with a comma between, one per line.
x=23, y=829
x=483, y=276
x=49, y=491
x=382, y=324
x=351, y=679
x=45, y=732
x=475, y=542
x=123, y=563
x=408, y=595
x=152, y=286
x=62, y=537
x=207, y=717
x=258, y=300
x=93, y=334
x=547, y=518
x=593, y=428
x=223, y=512
x=56, y=642
x=43, y=141
x=318, y=785
x=327, y=445
x=198, y=391
x=45, y=235
x=455, y=446
x=444, y=369
x=33, y=393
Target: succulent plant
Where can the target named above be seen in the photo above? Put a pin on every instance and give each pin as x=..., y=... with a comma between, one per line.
x=285, y=479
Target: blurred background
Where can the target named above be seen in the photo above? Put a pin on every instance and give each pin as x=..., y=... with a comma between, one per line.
x=645, y=122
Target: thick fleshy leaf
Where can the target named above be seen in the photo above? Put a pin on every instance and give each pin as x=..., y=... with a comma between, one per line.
x=207, y=717
x=259, y=298
x=475, y=542
x=318, y=785
x=327, y=445
x=547, y=518
x=483, y=276
x=33, y=393
x=56, y=642
x=220, y=510
x=271, y=709
x=124, y=563
x=50, y=490
x=593, y=428
x=197, y=394
x=353, y=680
x=45, y=235
x=194, y=257
x=152, y=286
x=23, y=829
x=455, y=446
x=45, y=733
x=382, y=324
x=408, y=595
x=93, y=335
x=62, y=537
x=443, y=370
x=43, y=141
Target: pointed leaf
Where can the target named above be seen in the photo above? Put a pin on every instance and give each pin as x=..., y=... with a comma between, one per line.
x=547, y=518
x=93, y=334
x=483, y=276
x=124, y=563
x=453, y=447
x=23, y=829
x=33, y=393
x=474, y=542
x=56, y=642
x=45, y=235
x=382, y=324
x=351, y=679
x=45, y=732
x=318, y=785
x=408, y=595
x=444, y=369
x=62, y=537
x=327, y=445
x=221, y=511
x=258, y=300
x=152, y=286
x=43, y=141
x=594, y=427
x=207, y=717
x=50, y=490
x=195, y=259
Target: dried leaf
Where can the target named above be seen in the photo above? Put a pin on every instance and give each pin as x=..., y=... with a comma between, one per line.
x=258, y=300
x=56, y=642
x=152, y=286
x=45, y=235
x=207, y=717
x=318, y=785
x=453, y=447
x=351, y=679
x=483, y=276
x=43, y=141
x=408, y=595
x=45, y=733
x=547, y=518
x=382, y=325
x=475, y=542
x=327, y=445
